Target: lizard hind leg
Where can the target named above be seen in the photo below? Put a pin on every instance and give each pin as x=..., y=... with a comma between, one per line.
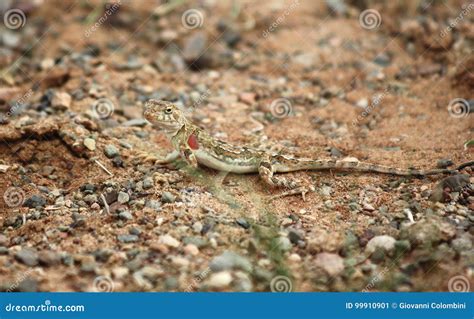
x=266, y=172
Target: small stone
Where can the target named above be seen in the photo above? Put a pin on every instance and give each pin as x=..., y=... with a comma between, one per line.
x=169, y=240
x=120, y=272
x=95, y=206
x=111, y=151
x=3, y=240
x=61, y=100
x=220, y=279
x=167, y=197
x=363, y=103
x=123, y=197
x=191, y=249
x=4, y=168
x=242, y=222
x=49, y=258
x=295, y=236
x=127, y=238
x=294, y=258
x=229, y=260
x=284, y=243
x=247, y=97
x=322, y=240
x=197, y=227
x=368, y=207
x=148, y=183
x=333, y=264
x=135, y=122
x=28, y=256
x=125, y=215
x=89, y=143
x=35, y=201
x=382, y=59
x=384, y=242
x=463, y=243
x=325, y=190
x=47, y=64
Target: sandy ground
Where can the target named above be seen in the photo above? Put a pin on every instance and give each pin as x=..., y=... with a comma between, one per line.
x=74, y=80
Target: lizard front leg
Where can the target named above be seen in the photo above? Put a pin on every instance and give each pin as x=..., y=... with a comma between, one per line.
x=266, y=172
x=149, y=157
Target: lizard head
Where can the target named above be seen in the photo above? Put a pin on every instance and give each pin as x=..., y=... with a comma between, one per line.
x=164, y=115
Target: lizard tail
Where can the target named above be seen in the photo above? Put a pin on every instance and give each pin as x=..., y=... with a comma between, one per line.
x=286, y=164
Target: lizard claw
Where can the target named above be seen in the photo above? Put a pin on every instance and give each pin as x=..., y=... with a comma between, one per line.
x=303, y=190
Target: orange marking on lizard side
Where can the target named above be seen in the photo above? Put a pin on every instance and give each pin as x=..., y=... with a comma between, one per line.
x=193, y=142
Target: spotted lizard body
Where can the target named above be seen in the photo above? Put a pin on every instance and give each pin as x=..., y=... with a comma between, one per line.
x=196, y=146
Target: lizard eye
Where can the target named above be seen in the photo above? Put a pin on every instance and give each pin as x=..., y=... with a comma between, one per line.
x=168, y=110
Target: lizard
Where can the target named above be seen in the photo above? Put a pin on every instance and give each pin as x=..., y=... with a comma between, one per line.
x=197, y=147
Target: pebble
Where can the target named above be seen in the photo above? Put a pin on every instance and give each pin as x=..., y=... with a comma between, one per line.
x=463, y=243
x=148, y=183
x=294, y=258
x=367, y=207
x=197, y=227
x=322, y=240
x=4, y=168
x=111, y=151
x=242, y=222
x=61, y=100
x=125, y=215
x=191, y=249
x=284, y=243
x=127, y=238
x=220, y=279
x=295, y=236
x=333, y=264
x=3, y=240
x=167, y=197
x=123, y=197
x=169, y=240
x=229, y=260
x=325, y=190
x=49, y=258
x=384, y=242
x=89, y=143
x=194, y=46
x=135, y=122
x=28, y=256
x=35, y=201
x=120, y=272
